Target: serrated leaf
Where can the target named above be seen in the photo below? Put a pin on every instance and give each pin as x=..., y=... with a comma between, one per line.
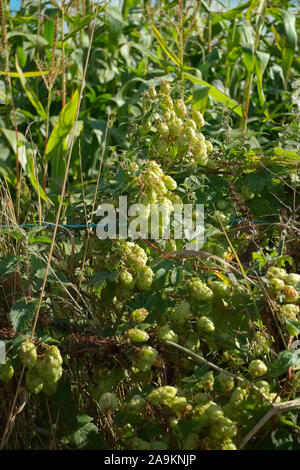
x=21, y=315
x=8, y=265
x=286, y=359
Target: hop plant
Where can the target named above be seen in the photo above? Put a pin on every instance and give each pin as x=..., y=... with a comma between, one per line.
x=205, y=324
x=199, y=290
x=28, y=354
x=220, y=289
x=152, y=92
x=291, y=293
x=180, y=109
x=137, y=336
x=206, y=382
x=290, y=311
x=146, y=358
x=136, y=404
x=292, y=279
x=139, y=315
x=198, y=118
x=6, y=372
x=165, y=87
x=175, y=125
x=162, y=396
x=278, y=273
x=108, y=402
x=34, y=381
x=237, y=397
x=223, y=428
x=164, y=333
x=144, y=278
x=226, y=381
x=257, y=368
x=50, y=366
x=127, y=279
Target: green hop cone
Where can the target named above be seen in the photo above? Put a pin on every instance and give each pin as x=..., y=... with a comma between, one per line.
x=152, y=92
x=291, y=293
x=189, y=133
x=228, y=444
x=201, y=398
x=49, y=369
x=6, y=372
x=165, y=87
x=263, y=386
x=164, y=333
x=206, y=382
x=34, y=381
x=166, y=101
x=169, y=182
x=175, y=127
x=170, y=246
x=190, y=124
x=226, y=381
x=213, y=412
x=277, y=272
x=198, y=118
x=180, y=109
x=257, y=368
x=223, y=428
x=276, y=284
x=28, y=354
x=199, y=290
x=146, y=358
x=237, y=397
x=139, y=315
x=178, y=404
x=108, y=402
x=136, y=404
x=220, y=289
x=162, y=396
x=137, y=336
x=163, y=129
x=292, y=279
x=205, y=324
x=127, y=280
x=209, y=146
x=144, y=278
x=54, y=352
x=290, y=311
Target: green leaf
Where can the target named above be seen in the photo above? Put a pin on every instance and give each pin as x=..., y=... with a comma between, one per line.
x=33, y=179
x=64, y=124
x=289, y=24
x=249, y=58
x=22, y=315
x=12, y=138
x=31, y=94
x=293, y=326
x=115, y=25
x=286, y=359
x=8, y=265
x=216, y=94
